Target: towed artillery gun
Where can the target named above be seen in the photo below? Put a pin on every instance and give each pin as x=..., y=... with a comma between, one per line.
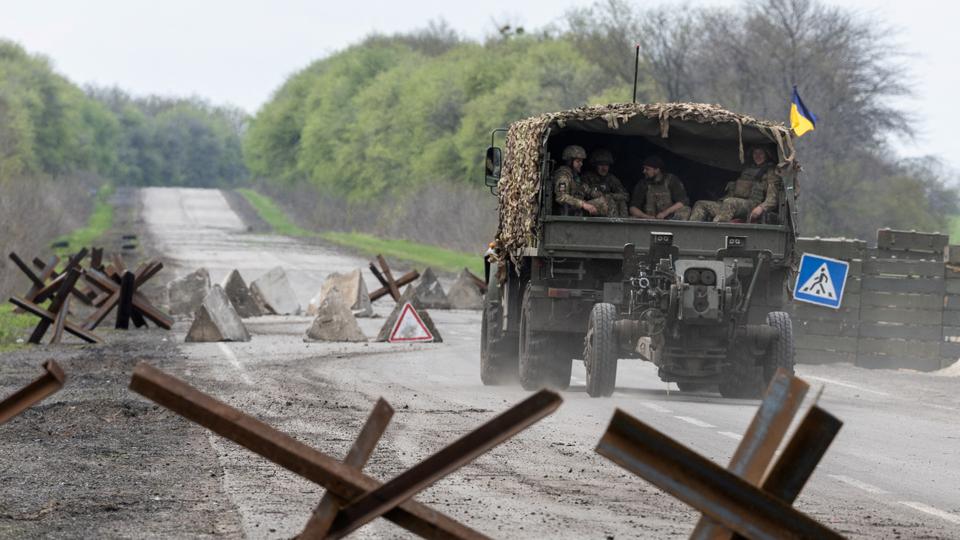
x=702, y=301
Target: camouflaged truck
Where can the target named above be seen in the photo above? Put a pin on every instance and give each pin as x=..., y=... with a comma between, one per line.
x=703, y=301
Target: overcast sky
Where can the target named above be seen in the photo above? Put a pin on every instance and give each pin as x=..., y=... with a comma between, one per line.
x=239, y=52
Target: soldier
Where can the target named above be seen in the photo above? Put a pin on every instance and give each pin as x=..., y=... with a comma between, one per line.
x=659, y=195
x=573, y=196
x=601, y=181
x=753, y=193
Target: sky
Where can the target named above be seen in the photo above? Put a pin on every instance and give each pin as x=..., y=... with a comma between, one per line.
x=239, y=52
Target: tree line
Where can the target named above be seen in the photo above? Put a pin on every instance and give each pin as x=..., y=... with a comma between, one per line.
x=49, y=126
x=392, y=114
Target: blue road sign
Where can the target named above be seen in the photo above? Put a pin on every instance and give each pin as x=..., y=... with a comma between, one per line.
x=820, y=281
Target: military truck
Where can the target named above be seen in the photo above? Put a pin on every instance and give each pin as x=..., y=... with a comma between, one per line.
x=703, y=301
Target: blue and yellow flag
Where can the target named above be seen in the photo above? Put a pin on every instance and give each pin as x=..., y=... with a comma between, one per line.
x=801, y=119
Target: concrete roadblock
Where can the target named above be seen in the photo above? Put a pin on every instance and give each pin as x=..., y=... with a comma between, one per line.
x=334, y=321
x=422, y=316
x=429, y=291
x=217, y=320
x=239, y=295
x=185, y=294
x=352, y=289
x=273, y=291
x=465, y=294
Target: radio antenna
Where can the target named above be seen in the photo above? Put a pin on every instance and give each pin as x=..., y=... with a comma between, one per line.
x=636, y=71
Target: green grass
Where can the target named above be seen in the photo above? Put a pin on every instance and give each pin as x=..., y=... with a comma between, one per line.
x=953, y=229
x=13, y=326
x=101, y=220
x=420, y=254
x=274, y=215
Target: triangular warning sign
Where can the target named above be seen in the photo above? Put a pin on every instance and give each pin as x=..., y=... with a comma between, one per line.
x=820, y=285
x=409, y=327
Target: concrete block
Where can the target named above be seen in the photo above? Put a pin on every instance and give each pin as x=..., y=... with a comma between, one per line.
x=353, y=290
x=185, y=294
x=274, y=292
x=217, y=320
x=429, y=291
x=334, y=321
x=240, y=296
x=464, y=294
x=409, y=296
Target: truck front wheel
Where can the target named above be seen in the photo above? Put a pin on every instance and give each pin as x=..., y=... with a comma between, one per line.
x=539, y=365
x=498, y=352
x=600, y=354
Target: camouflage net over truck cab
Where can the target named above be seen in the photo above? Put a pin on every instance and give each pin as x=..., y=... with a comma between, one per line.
x=691, y=124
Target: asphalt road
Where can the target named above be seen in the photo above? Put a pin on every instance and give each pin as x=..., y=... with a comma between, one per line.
x=893, y=472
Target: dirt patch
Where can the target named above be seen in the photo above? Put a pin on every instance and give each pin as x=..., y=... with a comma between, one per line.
x=97, y=460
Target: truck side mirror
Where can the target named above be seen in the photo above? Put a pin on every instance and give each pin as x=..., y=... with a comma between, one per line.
x=492, y=166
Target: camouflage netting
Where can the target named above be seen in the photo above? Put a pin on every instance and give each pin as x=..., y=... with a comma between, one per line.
x=519, y=184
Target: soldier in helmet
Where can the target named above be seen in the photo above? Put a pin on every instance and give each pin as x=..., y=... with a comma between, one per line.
x=660, y=195
x=602, y=181
x=571, y=194
x=753, y=193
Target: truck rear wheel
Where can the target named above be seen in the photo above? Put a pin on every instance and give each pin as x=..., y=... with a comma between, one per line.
x=600, y=354
x=781, y=353
x=540, y=365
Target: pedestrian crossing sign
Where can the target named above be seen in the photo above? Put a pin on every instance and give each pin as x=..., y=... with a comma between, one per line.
x=820, y=281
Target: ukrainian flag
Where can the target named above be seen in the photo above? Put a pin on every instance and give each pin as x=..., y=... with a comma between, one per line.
x=801, y=119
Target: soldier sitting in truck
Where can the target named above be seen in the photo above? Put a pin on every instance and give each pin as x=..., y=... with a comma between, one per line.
x=748, y=198
x=573, y=196
x=605, y=183
x=659, y=195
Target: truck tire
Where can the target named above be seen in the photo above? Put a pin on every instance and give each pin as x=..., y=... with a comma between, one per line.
x=539, y=367
x=498, y=352
x=781, y=353
x=600, y=353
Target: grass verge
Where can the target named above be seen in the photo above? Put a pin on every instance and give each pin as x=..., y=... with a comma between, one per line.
x=422, y=255
x=101, y=219
x=13, y=325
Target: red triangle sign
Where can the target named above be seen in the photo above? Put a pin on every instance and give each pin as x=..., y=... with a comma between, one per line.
x=409, y=327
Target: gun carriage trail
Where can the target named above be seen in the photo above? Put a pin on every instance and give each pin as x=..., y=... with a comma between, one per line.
x=891, y=472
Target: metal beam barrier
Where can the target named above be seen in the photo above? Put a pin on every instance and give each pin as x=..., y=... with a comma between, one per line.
x=44, y=386
x=697, y=481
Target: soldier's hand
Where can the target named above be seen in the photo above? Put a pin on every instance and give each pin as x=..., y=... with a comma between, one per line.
x=591, y=209
x=664, y=215
x=756, y=213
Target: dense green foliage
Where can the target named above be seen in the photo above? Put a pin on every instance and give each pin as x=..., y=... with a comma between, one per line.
x=391, y=115
x=384, y=114
x=174, y=142
x=47, y=124
x=50, y=126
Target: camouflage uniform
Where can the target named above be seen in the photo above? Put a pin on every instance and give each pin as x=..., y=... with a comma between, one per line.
x=756, y=186
x=569, y=190
x=611, y=190
x=656, y=194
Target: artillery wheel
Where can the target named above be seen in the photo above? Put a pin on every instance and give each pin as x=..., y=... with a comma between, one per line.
x=781, y=354
x=600, y=353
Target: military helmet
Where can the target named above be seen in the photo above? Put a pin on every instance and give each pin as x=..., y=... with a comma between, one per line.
x=653, y=161
x=573, y=152
x=601, y=156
